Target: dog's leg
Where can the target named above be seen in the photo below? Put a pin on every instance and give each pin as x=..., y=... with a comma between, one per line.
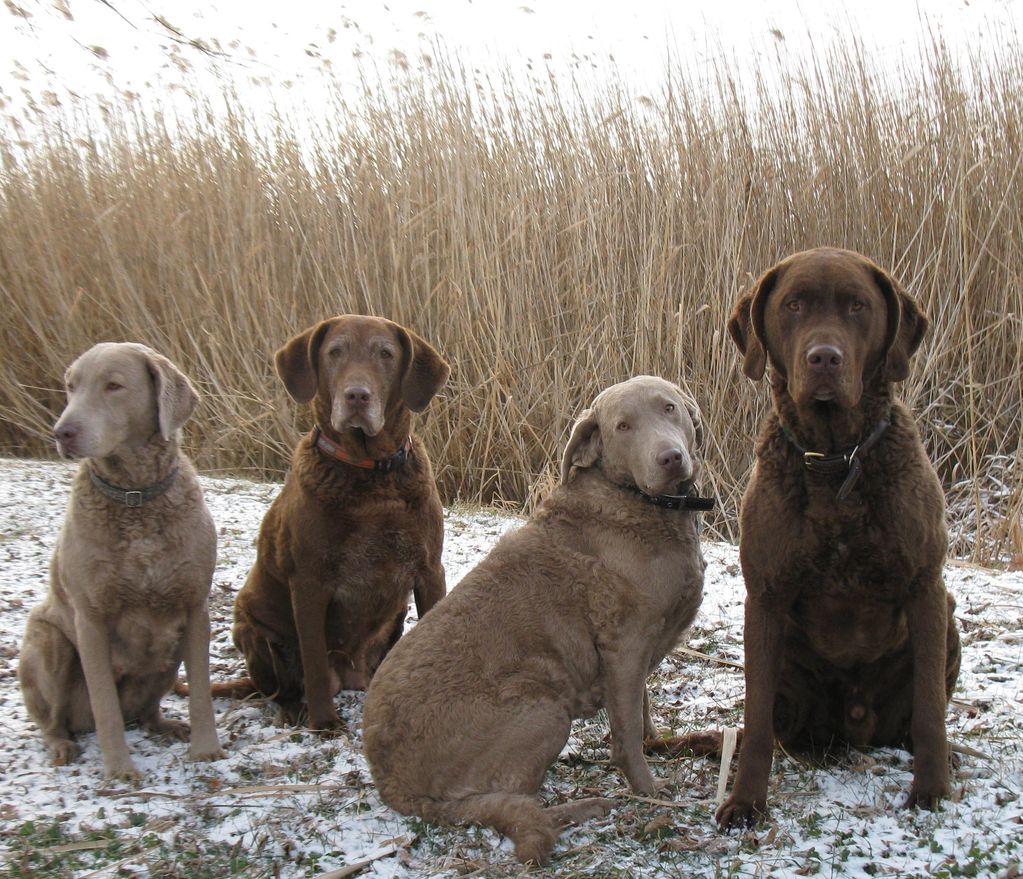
x=626, y=714
x=204, y=742
x=927, y=615
x=429, y=588
x=649, y=727
x=94, y=650
x=50, y=677
x=762, y=636
x=309, y=603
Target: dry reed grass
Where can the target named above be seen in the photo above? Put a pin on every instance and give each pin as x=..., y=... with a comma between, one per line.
x=548, y=241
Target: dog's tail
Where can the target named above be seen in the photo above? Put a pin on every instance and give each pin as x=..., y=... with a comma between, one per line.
x=531, y=827
x=241, y=688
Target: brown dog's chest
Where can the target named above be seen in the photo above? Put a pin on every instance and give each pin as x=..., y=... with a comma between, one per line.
x=846, y=578
x=364, y=564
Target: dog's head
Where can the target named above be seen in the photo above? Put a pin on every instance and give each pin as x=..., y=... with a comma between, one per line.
x=360, y=370
x=827, y=320
x=643, y=433
x=121, y=394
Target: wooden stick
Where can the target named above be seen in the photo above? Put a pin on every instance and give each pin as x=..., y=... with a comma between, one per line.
x=351, y=869
x=728, y=738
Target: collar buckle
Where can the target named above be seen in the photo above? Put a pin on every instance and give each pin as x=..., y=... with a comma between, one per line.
x=831, y=465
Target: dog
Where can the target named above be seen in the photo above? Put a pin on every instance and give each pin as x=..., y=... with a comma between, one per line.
x=358, y=524
x=566, y=615
x=849, y=630
x=131, y=573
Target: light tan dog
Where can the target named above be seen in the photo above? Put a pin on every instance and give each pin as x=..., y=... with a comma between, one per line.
x=567, y=615
x=131, y=572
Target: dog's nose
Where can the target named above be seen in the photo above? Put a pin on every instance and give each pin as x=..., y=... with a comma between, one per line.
x=822, y=358
x=65, y=433
x=357, y=395
x=670, y=459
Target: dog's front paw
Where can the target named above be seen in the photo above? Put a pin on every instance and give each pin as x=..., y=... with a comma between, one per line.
x=122, y=771
x=737, y=813
x=328, y=724
x=205, y=745
x=642, y=781
x=205, y=755
x=63, y=752
x=927, y=797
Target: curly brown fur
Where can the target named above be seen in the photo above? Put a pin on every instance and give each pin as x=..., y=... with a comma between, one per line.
x=849, y=631
x=342, y=547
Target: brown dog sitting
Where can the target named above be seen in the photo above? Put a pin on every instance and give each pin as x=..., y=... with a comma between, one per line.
x=357, y=525
x=849, y=631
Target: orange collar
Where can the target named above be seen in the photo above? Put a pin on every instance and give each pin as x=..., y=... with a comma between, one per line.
x=382, y=465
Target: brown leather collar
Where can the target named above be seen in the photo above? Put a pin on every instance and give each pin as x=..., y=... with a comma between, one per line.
x=381, y=465
x=847, y=462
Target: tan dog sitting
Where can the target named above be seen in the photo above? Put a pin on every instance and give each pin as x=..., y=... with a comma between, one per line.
x=358, y=524
x=568, y=614
x=131, y=573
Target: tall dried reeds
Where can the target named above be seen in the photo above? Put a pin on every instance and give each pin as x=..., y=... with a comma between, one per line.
x=548, y=240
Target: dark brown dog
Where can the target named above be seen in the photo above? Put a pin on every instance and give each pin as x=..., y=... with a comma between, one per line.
x=357, y=525
x=849, y=630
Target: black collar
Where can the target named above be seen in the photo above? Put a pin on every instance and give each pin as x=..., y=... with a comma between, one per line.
x=678, y=501
x=334, y=452
x=847, y=462
x=132, y=497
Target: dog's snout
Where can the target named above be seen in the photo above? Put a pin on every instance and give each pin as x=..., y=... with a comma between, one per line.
x=65, y=433
x=358, y=395
x=823, y=358
x=670, y=459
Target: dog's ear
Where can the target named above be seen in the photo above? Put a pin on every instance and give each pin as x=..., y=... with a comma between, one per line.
x=906, y=326
x=584, y=445
x=695, y=416
x=175, y=397
x=746, y=325
x=425, y=370
x=298, y=362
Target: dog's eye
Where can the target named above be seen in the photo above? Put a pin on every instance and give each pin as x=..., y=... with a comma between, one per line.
x=622, y=425
x=334, y=353
x=113, y=386
x=386, y=354
x=792, y=305
x=670, y=407
x=856, y=306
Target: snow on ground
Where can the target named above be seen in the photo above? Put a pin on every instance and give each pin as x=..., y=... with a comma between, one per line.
x=290, y=803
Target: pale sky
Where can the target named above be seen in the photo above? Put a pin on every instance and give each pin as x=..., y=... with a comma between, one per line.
x=60, y=48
